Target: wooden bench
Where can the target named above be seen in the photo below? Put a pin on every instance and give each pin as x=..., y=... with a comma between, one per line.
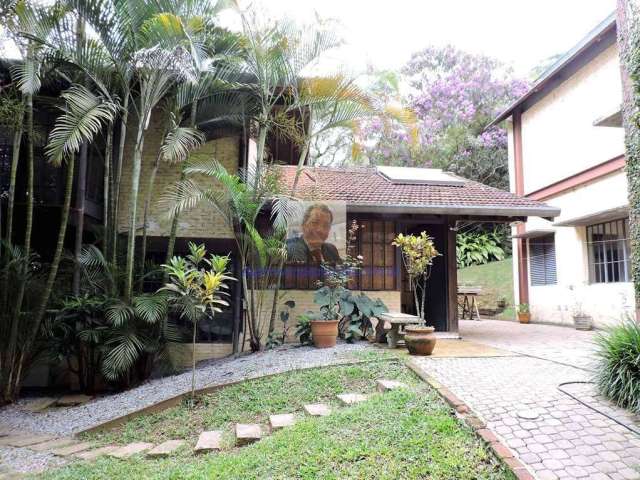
x=468, y=303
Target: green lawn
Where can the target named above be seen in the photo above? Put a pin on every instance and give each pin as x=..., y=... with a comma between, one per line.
x=400, y=434
x=496, y=280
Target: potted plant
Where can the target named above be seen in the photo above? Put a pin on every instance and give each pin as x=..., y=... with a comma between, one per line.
x=501, y=303
x=581, y=321
x=524, y=316
x=333, y=295
x=418, y=252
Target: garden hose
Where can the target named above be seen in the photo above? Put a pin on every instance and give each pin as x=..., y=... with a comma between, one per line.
x=628, y=427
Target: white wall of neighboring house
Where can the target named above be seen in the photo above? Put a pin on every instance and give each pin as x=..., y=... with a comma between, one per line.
x=558, y=135
x=559, y=140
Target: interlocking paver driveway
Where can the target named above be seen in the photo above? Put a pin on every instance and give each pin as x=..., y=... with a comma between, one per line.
x=518, y=397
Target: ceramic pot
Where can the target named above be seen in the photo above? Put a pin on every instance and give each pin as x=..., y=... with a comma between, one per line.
x=582, y=322
x=524, y=317
x=420, y=340
x=324, y=333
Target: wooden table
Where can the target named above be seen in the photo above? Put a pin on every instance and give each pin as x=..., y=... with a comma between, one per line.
x=468, y=302
x=397, y=322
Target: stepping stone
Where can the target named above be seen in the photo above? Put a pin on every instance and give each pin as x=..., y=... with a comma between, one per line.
x=24, y=440
x=282, y=420
x=208, y=441
x=73, y=449
x=72, y=400
x=90, y=455
x=130, y=450
x=39, y=404
x=165, y=448
x=53, y=444
x=318, y=409
x=247, y=433
x=386, y=385
x=352, y=398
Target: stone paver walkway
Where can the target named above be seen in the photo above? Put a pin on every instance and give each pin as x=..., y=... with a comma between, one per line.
x=556, y=436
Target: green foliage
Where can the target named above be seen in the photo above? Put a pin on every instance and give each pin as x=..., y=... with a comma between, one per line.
x=196, y=287
x=303, y=329
x=353, y=310
x=478, y=248
x=374, y=439
x=418, y=253
x=618, y=371
x=273, y=340
x=523, y=308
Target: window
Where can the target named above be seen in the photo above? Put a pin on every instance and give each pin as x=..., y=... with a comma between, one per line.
x=379, y=256
x=542, y=260
x=608, y=245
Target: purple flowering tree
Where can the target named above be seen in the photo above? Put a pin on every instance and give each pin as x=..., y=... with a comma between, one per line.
x=454, y=95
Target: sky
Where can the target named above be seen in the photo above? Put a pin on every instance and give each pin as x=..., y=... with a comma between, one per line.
x=383, y=34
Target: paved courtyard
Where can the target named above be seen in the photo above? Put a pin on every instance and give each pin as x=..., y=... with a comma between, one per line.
x=518, y=397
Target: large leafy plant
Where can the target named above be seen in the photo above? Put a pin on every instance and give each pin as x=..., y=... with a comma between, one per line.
x=478, y=248
x=418, y=253
x=196, y=287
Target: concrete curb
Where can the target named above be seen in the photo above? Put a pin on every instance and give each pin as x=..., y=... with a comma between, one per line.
x=462, y=410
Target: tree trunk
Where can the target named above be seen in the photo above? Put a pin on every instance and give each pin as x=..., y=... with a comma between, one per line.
x=107, y=183
x=133, y=205
x=193, y=359
x=173, y=233
x=81, y=190
x=15, y=160
x=145, y=216
x=118, y=176
x=629, y=48
x=12, y=363
x=51, y=278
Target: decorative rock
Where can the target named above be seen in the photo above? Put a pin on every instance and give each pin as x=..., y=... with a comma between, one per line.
x=386, y=385
x=39, y=404
x=318, y=409
x=247, y=433
x=98, y=452
x=73, y=449
x=24, y=440
x=208, y=441
x=165, y=448
x=282, y=420
x=53, y=444
x=528, y=414
x=72, y=400
x=352, y=398
x=130, y=450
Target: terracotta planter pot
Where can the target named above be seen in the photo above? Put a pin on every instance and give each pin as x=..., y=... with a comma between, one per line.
x=582, y=322
x=324, y=333
x=524, y=317
x=420, y=340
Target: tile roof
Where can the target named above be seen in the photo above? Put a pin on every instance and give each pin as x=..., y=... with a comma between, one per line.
x=364, y=188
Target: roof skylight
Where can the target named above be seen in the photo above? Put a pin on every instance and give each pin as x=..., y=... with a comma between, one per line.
x=419, y=176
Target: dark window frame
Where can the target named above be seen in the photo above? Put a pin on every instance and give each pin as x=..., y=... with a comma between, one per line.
x=609, y=259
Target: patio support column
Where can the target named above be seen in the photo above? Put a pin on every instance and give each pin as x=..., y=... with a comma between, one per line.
x=452, y=277
x=521, y=248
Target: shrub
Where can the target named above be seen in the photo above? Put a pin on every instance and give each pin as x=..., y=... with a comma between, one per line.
x=618, y=373
x=478, y=248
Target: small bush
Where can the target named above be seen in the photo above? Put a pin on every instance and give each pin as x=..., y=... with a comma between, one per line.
x=618, y=374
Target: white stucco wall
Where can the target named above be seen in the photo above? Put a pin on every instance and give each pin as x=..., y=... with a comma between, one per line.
x=558, y=135
x=606, y=303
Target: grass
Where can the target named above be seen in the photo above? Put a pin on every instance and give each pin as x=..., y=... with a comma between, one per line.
x=400, y=434
x=496, y=280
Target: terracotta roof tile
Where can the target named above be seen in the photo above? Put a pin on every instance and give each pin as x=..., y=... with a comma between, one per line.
x=364, y=186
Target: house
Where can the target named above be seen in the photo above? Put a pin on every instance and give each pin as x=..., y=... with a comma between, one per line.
x=384, y=200
x=566, y=148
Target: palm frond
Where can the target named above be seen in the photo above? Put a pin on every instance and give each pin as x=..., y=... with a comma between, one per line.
x=179, y=141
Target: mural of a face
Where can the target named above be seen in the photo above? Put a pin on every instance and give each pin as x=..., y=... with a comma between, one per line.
x=315, y=230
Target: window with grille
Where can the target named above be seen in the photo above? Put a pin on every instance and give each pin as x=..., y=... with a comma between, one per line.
x=609, y=258
x=542, y=260
x=378, y=270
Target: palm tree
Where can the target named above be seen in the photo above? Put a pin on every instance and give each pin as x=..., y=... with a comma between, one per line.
x=240, y=202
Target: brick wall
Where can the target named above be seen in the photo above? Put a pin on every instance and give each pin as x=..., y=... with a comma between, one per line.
x=202, y=221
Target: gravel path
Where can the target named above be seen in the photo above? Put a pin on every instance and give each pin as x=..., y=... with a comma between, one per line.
x=67, y=421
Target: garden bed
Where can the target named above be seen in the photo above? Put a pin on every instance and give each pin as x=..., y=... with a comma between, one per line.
x=407, y=433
